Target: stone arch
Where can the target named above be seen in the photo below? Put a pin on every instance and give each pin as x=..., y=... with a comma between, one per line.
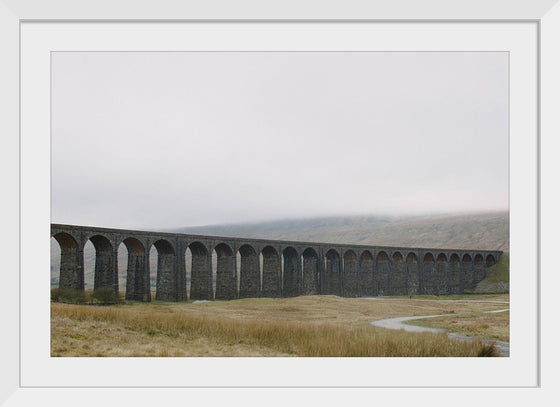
x=137, y=273
x=351, y=277
x=411, y=258
x=490, y=260
x=310, y=272
x=249, y=284
x=366, y=273
x=412, y=272
x=201, y=272
x=429, y=257
x=428, y=282
x=441, y=271
x=105, y=274
x=65, y=240
x=383, y=274
x=166, y=274
x=399, y=283
x=291, y=276
x=453, y=274
x=271, y=273
x=333, y=272
x=164, y=246
x=71, y=267
x=226, y=284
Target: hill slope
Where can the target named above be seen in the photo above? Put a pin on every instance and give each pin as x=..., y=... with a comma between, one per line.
x=477, y=231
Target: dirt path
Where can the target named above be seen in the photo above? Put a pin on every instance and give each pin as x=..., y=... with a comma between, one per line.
x=399, y=323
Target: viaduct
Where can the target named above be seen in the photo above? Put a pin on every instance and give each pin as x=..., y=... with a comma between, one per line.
x=268, y=268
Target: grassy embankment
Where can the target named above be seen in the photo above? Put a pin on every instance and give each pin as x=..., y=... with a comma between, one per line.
x=497, y=278
x=302, y=326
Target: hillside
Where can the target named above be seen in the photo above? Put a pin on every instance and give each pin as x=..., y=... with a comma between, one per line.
x=476, y=231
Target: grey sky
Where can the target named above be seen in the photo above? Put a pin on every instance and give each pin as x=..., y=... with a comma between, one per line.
x=177, y=139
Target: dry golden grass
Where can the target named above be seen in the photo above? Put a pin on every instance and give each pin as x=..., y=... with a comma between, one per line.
x=302, y=326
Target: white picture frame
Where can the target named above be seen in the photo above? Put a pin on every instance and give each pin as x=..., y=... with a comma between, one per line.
x=545, y=14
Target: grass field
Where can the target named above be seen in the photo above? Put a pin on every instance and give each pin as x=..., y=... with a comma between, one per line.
x=488, y=326
x=301, y=326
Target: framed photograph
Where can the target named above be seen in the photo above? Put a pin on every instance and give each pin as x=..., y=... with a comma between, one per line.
x=42, y=45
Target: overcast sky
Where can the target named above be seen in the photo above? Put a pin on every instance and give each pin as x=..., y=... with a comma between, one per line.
x=163, y=140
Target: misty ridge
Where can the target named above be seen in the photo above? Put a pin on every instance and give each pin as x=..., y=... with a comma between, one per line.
x=484, y=231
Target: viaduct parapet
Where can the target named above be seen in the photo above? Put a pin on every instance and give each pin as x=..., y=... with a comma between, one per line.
x=267, y=268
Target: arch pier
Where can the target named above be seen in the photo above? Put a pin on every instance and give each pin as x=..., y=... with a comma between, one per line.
x=266, y=268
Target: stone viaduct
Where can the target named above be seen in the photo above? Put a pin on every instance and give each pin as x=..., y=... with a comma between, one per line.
x=268, y=268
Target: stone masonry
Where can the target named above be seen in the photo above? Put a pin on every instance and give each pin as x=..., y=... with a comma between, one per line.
x=269, y=268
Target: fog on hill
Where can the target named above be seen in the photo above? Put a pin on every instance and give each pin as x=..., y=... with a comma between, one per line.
x=485, y=231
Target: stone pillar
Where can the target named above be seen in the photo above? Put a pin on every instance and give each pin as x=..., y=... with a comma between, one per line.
x=299, y=276
x=136, y=274
x=479, y=270
x=351, y=275
x=429, y=275
x=467, y=273
x=291, y=271
x=334, y=278
x=201, y=273
x=71, y=269
x=367, y=274
x=382, y=274
x=389, y=276
x=146, y=281
x=272, y=269
x=116, y=272
x=235, y=271
x=412, y=272
x=420, y=262
x=453, y=275
x=181, y=274
x=166, y=277
x=360, y=279
x=249, y=285
x=104, y=269
x=310, y=283
x=321, y=271
x=226, y=283
x=441, y=276
x=399, y=278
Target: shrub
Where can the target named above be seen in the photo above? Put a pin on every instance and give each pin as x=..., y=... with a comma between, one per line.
x=68, y=296
x=106, y=296
x=488, y=350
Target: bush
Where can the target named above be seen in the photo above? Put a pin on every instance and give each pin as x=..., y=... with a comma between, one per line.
x=106, y=296
x=68, y=296
x=488, y=350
